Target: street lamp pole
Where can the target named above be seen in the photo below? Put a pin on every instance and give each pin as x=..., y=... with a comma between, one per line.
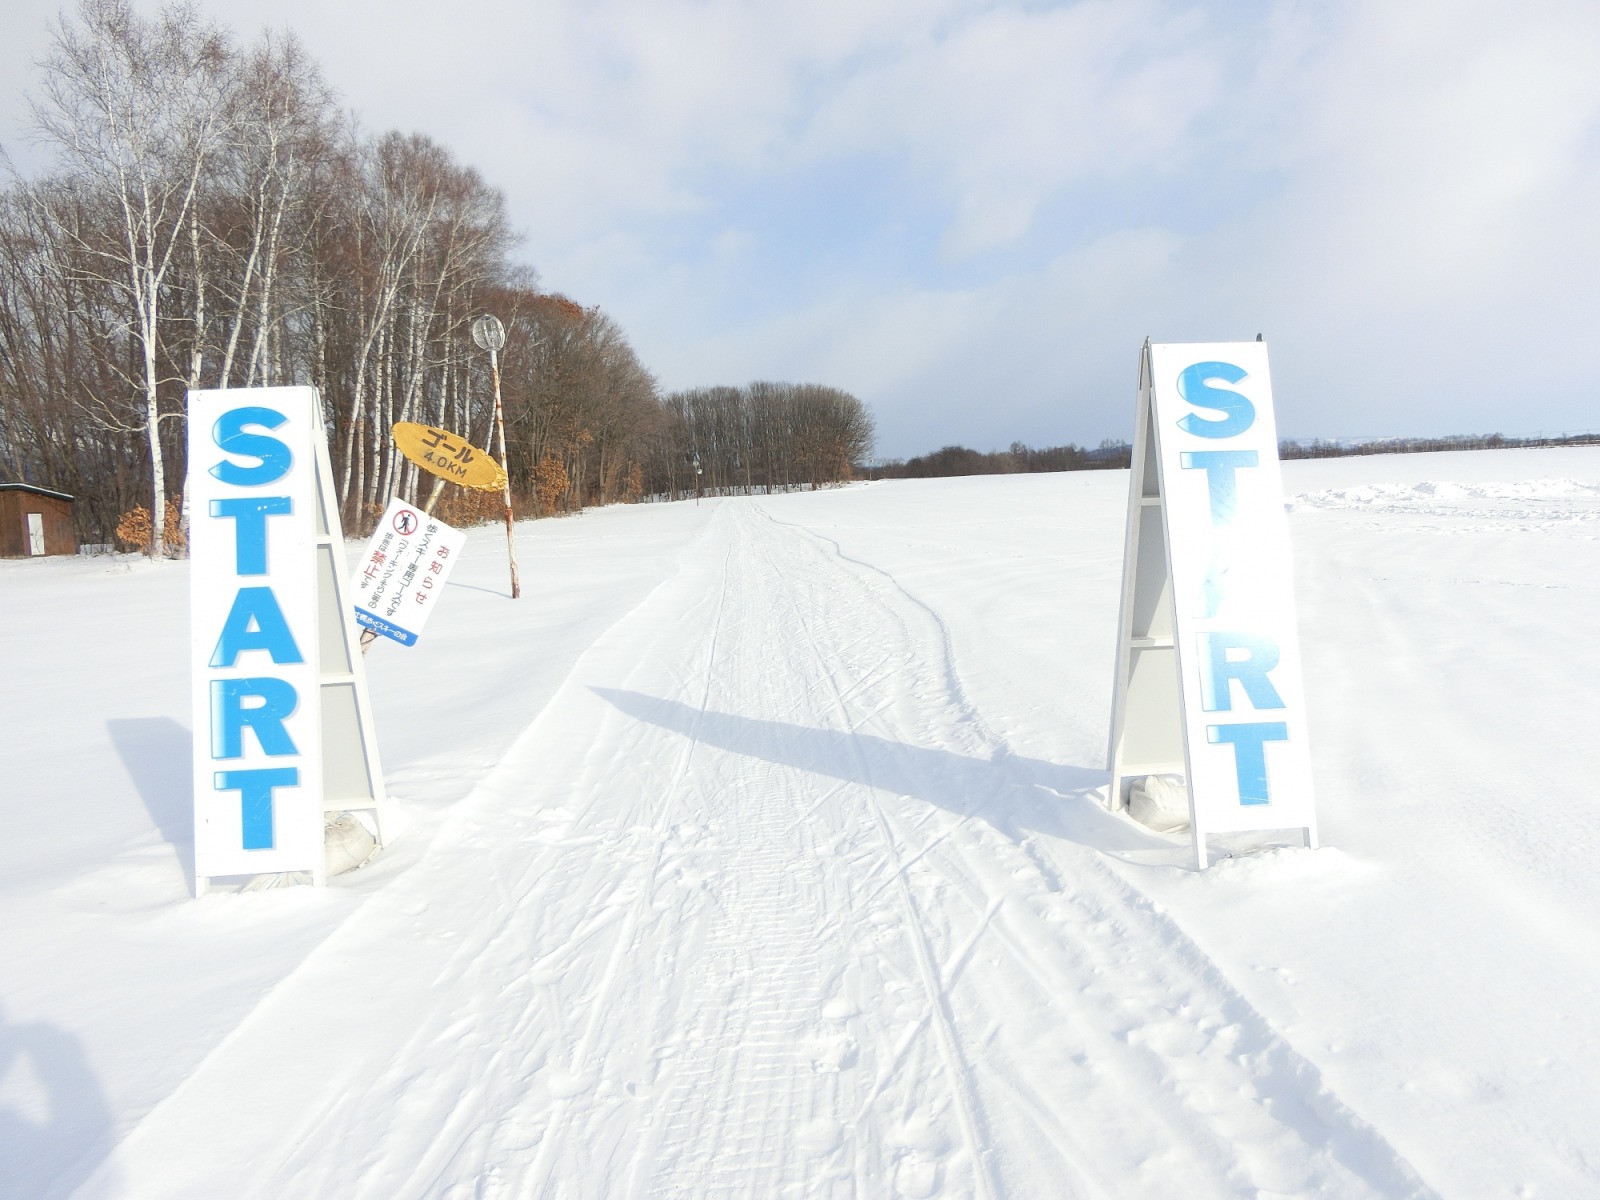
x=490, y=335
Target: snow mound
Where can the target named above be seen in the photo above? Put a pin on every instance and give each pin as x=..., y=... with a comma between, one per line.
x=349, y=844
x=1548, y=499
x=1160, y=802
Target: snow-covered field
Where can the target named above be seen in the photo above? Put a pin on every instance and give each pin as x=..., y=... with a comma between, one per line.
x=757, y=852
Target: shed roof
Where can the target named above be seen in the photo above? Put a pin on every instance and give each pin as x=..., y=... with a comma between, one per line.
x=38, y=491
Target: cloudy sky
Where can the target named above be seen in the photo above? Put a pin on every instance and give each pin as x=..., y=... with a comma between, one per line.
x=971, y=214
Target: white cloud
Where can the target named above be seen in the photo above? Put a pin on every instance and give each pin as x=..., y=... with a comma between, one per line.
x=1012, y=104
x=1399, y=195
x=1420, y=256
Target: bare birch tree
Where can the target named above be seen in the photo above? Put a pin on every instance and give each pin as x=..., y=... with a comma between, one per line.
x=137, y=107
x=283, y=131
x=211, y=222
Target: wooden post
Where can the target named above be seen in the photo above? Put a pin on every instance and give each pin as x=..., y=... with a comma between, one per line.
x=433, y=496
x=500, y=433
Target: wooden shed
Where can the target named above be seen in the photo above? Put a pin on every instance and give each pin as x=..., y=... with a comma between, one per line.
x=35, y=520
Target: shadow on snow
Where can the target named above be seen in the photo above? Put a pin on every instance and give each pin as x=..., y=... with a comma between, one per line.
x=158, y=754
x=60, y=1131
x=1013, y=794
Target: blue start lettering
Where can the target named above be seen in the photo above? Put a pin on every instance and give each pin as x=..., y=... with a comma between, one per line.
x=262, y=704
x=275, y=457
x=255, y=799
x=255, y=622
x=1222, y=483
x=1194, y=385
x=1242, y=658
x=1249, y=754
x=230, y=717
x=249, y=515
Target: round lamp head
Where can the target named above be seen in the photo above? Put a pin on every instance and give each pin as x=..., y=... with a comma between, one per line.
x=488, y=332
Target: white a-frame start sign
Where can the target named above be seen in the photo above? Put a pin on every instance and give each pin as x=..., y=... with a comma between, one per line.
x=283, y=722
x=1208, y=659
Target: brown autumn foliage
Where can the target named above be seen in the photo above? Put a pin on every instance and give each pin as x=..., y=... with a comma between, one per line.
x=461, y=506
x=133, y=530
x=550, y=483
x=633, y=484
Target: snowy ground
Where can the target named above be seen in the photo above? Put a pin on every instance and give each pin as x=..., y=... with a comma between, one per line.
x=757, y=852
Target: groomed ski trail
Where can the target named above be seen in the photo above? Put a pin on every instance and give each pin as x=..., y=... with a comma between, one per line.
x=754, y=909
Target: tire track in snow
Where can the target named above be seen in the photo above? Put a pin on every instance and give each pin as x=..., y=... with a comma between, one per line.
x=699, y=1135
x=532, y=1147
x=1111, y=1008
x=306, y=1141
x=1345, y=1155
x=956, y=1072
x=740, y=1114
x=584, y=1067
x=1100, y=1051
x=484, y=1124
x=834, y=661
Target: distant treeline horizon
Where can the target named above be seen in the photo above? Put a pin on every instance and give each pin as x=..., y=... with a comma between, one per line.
x=1022, y=459
x=1019, y=459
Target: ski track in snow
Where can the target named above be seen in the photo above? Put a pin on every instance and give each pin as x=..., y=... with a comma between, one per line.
x=747, y=913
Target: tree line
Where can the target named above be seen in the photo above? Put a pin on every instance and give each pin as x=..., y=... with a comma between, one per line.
x=212, y=218
x=1019, y=459
x=766, y=437
x=1347, y=447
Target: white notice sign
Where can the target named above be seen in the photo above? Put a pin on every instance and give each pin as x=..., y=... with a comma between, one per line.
x=1210, y=658
x=402, y=572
